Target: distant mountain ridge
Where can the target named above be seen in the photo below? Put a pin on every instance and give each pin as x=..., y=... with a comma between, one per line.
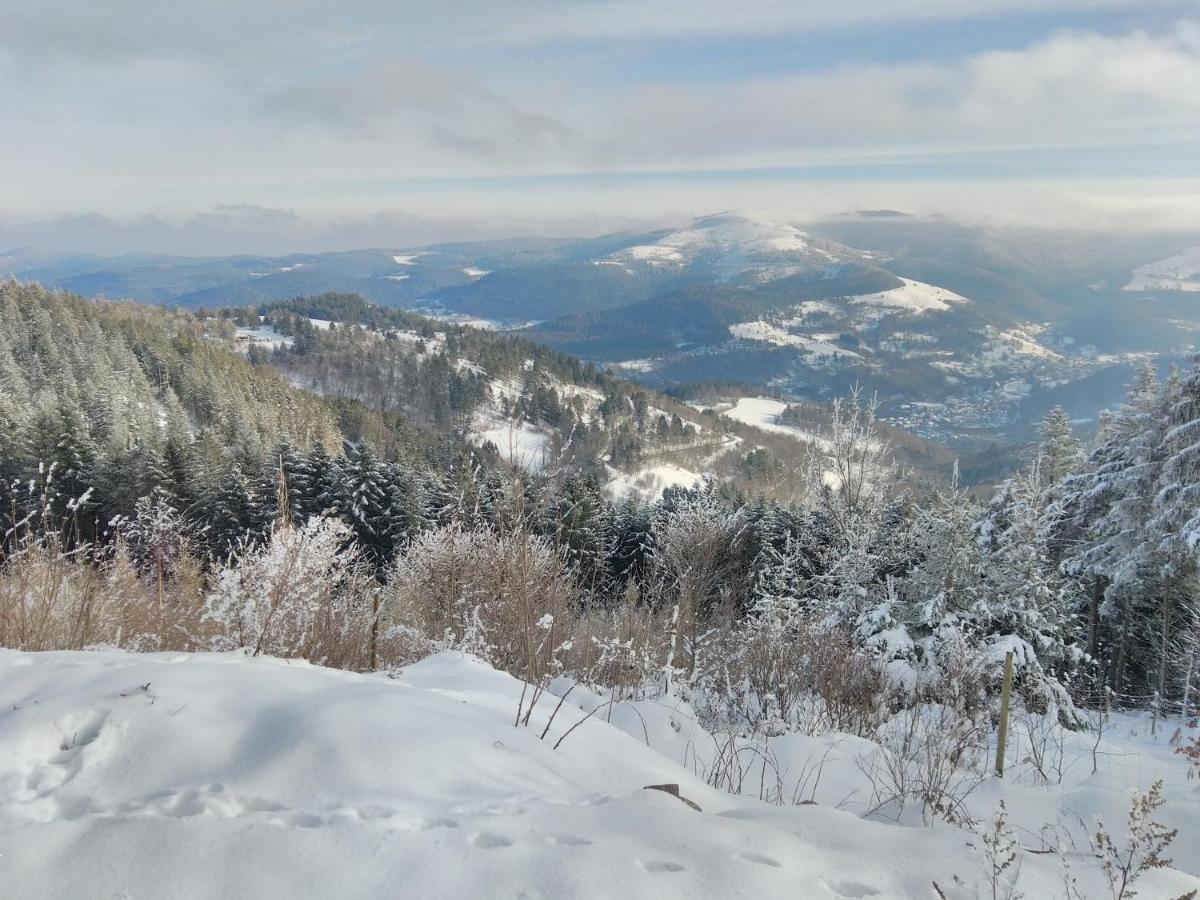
x=807, y=311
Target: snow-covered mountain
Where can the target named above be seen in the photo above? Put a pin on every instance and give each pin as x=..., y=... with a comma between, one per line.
x=731, y=248
x=984, y=328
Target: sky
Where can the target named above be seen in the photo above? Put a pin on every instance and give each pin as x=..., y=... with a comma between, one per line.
x=295, y=125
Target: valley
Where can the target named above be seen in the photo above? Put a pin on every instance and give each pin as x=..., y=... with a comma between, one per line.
x=966, y=335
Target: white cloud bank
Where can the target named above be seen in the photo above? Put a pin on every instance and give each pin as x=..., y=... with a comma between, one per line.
x=505, y=111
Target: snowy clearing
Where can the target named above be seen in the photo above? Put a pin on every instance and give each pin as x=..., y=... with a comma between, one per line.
x=219, y=775
x=916, y=297
x=1180, y=272
x=263, y=335
x=519, y=443
x=768, y=333
x=635, y=365
x=649, y=483
x=763, y=413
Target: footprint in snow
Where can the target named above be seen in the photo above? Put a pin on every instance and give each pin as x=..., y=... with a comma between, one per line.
x=760, y=859
x=657, y=866
x=488, y=840
x=568, y=840
x=853, y=889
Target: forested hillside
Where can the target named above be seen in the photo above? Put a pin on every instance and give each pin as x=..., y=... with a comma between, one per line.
x=167, y=487
x=162, y=434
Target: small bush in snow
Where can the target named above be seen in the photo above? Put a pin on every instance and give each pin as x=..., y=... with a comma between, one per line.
x=1146, y=842
x=303, y=593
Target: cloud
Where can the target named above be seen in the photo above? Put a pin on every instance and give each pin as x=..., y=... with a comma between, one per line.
x=306, y=117
x=122, y=33
x=405, y=99
x=249, y=229
x=1075, y=87
x=611, y=20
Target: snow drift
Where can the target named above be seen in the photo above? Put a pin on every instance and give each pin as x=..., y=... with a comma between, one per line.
x=220, y=775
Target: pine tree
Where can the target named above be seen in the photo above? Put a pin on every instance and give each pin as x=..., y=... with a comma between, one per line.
x=628, y=544
x=578, y=522
x=364, y=505
x=1098, y=523
x=321, y=488
x=1023, y=605
x=1058, y=451
x=224, y=515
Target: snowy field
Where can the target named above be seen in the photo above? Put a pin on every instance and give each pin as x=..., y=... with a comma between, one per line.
x=520, y=444
x=263, y=335
x=1175, y=273
x=763, y=413
x=217, y=775
x=915, y=297
x=771, y=334
x=649, y=483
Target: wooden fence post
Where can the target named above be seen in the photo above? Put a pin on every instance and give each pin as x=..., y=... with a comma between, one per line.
x=1005, y=693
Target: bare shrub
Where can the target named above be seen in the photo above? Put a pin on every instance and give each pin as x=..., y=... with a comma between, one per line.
x=740, y=767
x=48, y=598
x=791, y=673
x=55, y=599
x=1046, y=740
x=621, y=649
x=850, y=682
x=304, y=593
x=1146, y=842
x=1002, y=857
x=931, y=754
x=1191, y=752
x=696, y=555
x=506, y=598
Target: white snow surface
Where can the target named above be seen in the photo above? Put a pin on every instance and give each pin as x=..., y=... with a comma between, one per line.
x=763, y=413
x=221, y=775
x=1180, y=272
x=649, y=483
x=915, y=297
x=520, y=443
x=733, y=246
x=264, y=335
x=772, y=334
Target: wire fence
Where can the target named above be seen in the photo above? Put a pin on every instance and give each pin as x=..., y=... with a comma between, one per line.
x=1165, y=725
x=1131, y=744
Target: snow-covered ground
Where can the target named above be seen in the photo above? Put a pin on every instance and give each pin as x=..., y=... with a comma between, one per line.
x=649, y=483
x=732, y=246
x=635, y=365
x=264, y=335
x=519, y=443
x=763, y=413
x=1180, y=272
x=915, y=297
x=771, y=334
x=218, y=775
